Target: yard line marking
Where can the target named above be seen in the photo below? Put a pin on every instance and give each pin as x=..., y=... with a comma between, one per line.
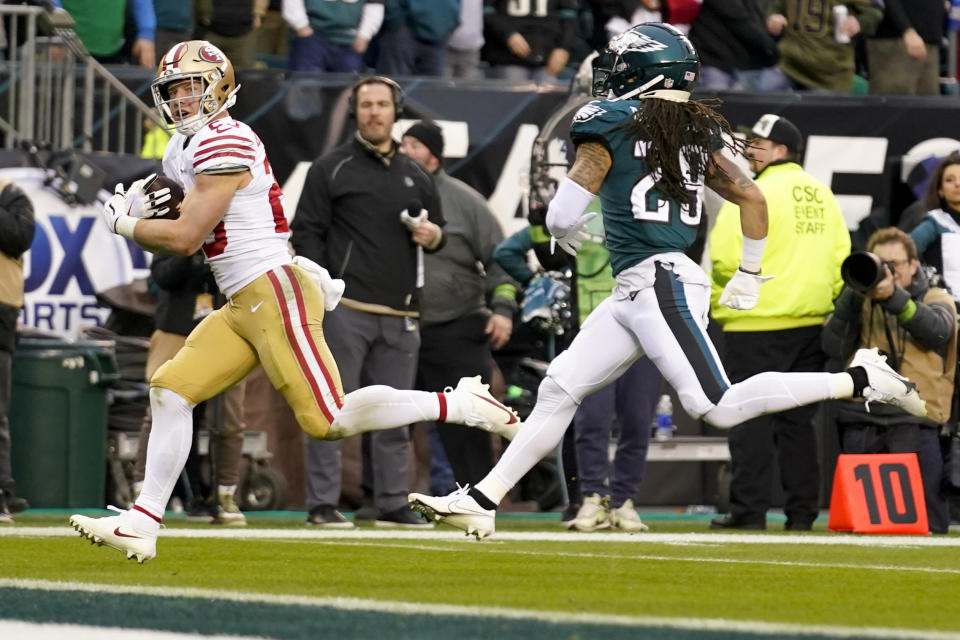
x=615, y=556
x=417, y=609
x=526, y=536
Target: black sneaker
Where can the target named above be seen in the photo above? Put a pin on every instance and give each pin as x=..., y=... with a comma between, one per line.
x=569, y=515
x=367, y=511
x=5, y=516
x=329, y=518
x=15, y=504
x=403, y=517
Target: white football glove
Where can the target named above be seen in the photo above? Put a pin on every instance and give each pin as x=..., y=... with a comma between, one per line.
x=743, y=290
x=331, y=287
x=126, y=202
x=574, y=237
x=153, y=202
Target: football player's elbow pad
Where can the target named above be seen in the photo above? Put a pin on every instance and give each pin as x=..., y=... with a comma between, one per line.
x=566, y=207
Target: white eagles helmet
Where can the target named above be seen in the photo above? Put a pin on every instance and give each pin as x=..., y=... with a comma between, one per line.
x=211, y=75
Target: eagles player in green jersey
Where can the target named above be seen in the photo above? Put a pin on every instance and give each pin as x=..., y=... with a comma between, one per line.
x=649, y=151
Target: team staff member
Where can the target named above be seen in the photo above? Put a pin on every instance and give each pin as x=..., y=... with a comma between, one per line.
x=349, y=220
x=808, y=240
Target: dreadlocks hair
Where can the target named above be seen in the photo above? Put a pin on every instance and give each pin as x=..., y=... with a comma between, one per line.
x=671, y=128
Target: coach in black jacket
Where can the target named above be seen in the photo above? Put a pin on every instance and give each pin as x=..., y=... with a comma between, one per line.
x=349, y=220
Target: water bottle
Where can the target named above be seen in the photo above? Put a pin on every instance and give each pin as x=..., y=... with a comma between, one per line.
x=664, y=418
x=839, y=15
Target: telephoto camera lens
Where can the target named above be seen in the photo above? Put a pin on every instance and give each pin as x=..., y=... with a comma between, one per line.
x=862, y=270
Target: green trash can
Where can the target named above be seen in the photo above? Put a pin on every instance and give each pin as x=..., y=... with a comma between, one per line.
x=58, y=420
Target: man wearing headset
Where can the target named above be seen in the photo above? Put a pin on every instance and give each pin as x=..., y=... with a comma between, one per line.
x=366, y=213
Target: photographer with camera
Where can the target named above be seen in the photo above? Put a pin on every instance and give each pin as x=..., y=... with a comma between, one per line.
x=888, y=303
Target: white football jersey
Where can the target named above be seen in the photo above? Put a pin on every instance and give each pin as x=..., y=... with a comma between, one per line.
x=251, y=237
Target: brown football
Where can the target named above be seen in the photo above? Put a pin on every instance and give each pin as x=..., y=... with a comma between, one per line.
x=176, y=196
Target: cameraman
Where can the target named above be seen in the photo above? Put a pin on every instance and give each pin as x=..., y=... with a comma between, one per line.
x=915, y=325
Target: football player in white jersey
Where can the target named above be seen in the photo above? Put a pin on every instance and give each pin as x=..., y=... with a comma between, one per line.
x=232, y=212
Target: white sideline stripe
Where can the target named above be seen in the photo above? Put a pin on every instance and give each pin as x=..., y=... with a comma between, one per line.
x=45, y=631
x=524, y=536
x=431, y=609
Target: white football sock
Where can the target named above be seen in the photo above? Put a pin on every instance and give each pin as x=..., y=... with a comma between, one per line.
x=772, y=391
x=171, y=436
x=379, y=407
x=541, y=433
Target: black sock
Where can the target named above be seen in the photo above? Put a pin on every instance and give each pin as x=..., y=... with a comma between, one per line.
x=481, y=499
x=860, y=380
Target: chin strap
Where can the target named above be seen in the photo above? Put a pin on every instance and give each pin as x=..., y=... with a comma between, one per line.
x=640, y=89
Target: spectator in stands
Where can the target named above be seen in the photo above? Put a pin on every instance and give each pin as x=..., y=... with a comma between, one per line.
x=231, y=26
x=528, y=45
x=349, y=218
x=611, y=17
x=736, y=51
x=174, y=22
x=937, y=235
x=413, y=40
x=468, y=300
x=331, y=36
x=807, y=241
x=811, y=55
x=915, y=324
x=101, y=25
x=904, y=54
x=16, y=235
x=186, y=294
x=462, y=59
x=273, y=37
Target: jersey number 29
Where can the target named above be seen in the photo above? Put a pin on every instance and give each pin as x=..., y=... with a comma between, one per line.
x=649, y=203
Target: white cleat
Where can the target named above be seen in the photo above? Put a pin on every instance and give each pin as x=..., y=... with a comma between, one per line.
x=458, y=510
x=593, y=514
x=117, y=532
x=886, y=385
x=485, y=411
x=626, y=518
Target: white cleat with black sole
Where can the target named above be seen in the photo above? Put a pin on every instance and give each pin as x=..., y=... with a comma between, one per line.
x=118, y=532
x=457, y=510
x=886, y=385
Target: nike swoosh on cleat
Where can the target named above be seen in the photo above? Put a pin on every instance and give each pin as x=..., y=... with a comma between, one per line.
x=120, y=534
x=513, y=417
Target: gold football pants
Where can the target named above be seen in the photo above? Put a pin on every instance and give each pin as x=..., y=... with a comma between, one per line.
x=276, y=320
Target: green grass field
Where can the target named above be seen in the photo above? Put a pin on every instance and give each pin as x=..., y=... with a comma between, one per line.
x=277, y=578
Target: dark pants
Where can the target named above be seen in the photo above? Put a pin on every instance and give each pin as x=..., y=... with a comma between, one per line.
x=369, y=349
x=448, y=352
x=6, y=382
x=788, y=435
x=906, y=438
x=316, y=54
x=633, y=398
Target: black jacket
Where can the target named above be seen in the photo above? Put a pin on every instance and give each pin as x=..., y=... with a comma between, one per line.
x=732, y=34
x=926, y=16
x=180, y=280
x=16, y=235
x=348, y=220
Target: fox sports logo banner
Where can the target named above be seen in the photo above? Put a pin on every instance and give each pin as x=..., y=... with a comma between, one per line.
x=73, y=257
